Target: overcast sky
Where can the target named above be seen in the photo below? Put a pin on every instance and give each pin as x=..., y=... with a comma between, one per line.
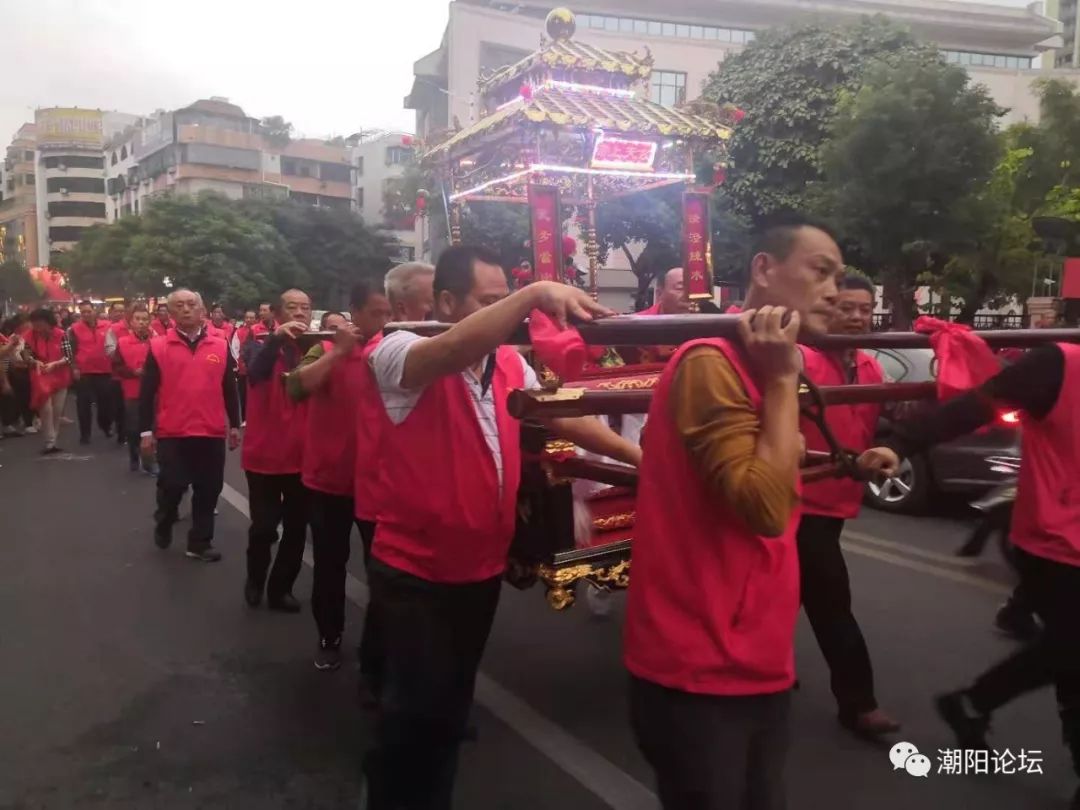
x=331, y=67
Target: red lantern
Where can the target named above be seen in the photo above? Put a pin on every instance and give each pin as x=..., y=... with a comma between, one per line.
x=719, y=175
x=526, y=91
x=569, y=247
x=406, y=140
x=421, y=203
x=738, y=115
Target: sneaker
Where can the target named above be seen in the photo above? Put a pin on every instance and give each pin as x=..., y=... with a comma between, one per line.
x=328, y=656
x=205, y=553
x=51, y=450
x=12, y=431
x=30, y=431
x=870, y=725
x=151, y=470
x=66, y=420
x=969, y=726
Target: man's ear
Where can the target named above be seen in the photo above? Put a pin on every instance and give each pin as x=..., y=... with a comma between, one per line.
x=760, y=266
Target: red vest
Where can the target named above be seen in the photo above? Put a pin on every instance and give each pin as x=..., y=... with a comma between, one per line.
x=119, y=329
x=190, y=401
x=274, y=436
x=133, y=351
x=1046, y=518
x=852, y=425
x=48, y=350
x=159, y=328
x=90, y=357
x=443, y=516
x=329, y=444
x=372, y=423
x=712, y=606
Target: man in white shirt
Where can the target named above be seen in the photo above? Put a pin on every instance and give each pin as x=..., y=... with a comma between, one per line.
x=449, y=469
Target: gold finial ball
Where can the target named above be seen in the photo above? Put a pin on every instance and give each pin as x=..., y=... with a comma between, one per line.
x=561, y=23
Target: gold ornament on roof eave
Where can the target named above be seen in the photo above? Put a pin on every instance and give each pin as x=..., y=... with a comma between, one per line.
x=560, y=23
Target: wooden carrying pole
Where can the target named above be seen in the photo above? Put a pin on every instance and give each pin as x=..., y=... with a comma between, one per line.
x=673, y=330
x=570, y=402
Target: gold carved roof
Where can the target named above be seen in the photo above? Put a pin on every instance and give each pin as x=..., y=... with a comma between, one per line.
x=567, y=54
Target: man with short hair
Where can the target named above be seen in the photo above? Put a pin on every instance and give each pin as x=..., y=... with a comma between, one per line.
x=239, y=340
x=272, y=459
x=93, y=371
x=331, y=378
x=710, y=614
x=825, y=586
x=450, y=463
x=409, y=290
x=163, y=322
x=129, y=359
x=187, y=407
x=221, y=323
x=119, y=326
x=669, y=297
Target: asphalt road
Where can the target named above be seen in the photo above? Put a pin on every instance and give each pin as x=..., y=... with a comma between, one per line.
x=135, y=678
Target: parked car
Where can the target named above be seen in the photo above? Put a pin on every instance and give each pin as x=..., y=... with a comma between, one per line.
x=965, y=465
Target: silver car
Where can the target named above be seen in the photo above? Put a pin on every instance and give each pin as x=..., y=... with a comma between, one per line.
x=967, y=465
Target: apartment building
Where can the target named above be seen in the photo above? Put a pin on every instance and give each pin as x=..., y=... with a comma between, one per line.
x=998, y=45
x=18, y=200
x=381, y=159
x=1068, y=55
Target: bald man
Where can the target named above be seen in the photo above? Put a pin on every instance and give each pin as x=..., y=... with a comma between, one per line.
x=669, y=298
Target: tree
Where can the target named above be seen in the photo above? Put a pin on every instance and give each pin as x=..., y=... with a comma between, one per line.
x=650, y=217
x=333, y=247
x=907, y=154
x=97, y=265
x=277, y=131
x=788, y=81
x=999, y=265
x=16, y=285
x=502, y=227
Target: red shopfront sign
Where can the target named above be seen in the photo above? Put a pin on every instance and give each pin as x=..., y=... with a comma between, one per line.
x=697, y=249
x=546, y=233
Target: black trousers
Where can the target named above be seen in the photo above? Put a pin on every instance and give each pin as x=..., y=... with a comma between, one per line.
x=197, y=462
x=434, y=636
x=96, y=389
x=826, y=597
x=276, y=500
x=16, y=407
x=712, y=752
x=118, y=410
x=371, y=653
x=1053, y=590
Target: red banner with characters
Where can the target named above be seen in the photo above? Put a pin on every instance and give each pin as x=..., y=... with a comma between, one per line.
x=546, y=233
x=697, y=246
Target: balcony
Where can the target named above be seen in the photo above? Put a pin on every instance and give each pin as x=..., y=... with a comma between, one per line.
x=313, y=185
x=190, y=133
x=310, y=149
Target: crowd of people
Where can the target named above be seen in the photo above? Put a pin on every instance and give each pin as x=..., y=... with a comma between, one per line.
x=409, y=439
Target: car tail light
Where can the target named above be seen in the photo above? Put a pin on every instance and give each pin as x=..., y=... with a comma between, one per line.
x=1009, y=418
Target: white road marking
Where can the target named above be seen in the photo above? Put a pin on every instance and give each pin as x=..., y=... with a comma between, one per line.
x=616, y=788
x=936, y=556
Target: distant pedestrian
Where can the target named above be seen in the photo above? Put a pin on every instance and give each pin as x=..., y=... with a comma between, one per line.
x=272, y=459
x=187, y=406
x=50, y=373
x=93, y=371
x=119, y=327
x=163, y=322
x=129, y=360
x=239, y=340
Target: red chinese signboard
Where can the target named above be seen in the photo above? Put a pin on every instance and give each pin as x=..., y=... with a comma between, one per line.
x=620, y=153
x=546, y=233
x=697, y=246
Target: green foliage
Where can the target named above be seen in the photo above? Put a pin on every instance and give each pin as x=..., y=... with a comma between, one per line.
x=500, y=226
x=789, y=81
x=908, y=156
x=16, y=285
x=276, y=130
x=235, y=252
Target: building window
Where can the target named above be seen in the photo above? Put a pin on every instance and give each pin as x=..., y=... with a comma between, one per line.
x=360, y=197
x=398, y=155
x=657, y=28
x=360, y=166
x=66, y=233
x=74, y=208
x=28, y=155
x=75, y=185
x=29, y=179
x=75, y=162
x=998, y=60
x=667, y=87
x=334, y=172
x=113, y=161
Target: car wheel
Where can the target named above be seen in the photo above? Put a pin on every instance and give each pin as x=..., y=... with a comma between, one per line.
x=906, y=492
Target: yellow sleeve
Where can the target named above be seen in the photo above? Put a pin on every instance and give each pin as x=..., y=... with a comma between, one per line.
x=719, y=427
